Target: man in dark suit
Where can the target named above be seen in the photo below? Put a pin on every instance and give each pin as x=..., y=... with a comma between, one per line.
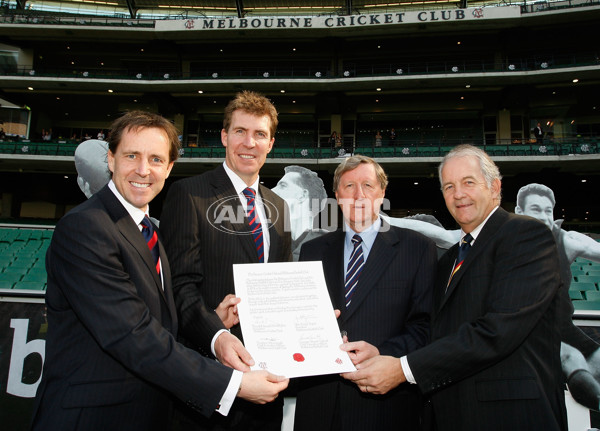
x=206, y=230
x=538, y=133
x=112, y=361
x=387, y=309
x=494, y=360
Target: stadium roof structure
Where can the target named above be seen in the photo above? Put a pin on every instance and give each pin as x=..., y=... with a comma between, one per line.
x=173, y=9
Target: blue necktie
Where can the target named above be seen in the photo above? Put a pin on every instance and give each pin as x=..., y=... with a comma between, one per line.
x=254, y=223
x=355, y=266
x=463, y=249
x=152, y=239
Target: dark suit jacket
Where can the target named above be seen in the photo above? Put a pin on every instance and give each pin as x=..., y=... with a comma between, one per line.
x=390, y=309
x=111, y=355
x=206, y=232
x=494, y=360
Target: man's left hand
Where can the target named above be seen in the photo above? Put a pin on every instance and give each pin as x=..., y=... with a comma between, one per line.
x=377, y=375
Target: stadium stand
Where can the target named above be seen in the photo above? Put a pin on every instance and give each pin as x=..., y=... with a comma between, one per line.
x=23, y=258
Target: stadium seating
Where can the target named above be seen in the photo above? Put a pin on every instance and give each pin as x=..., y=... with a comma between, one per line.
x=22, y=265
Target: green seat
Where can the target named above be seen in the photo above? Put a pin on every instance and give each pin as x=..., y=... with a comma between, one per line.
x=428, y=151
x=496, y=150
x=593, y=272
x=576, y=294
x=23, y=265
x=587, y=279
x=583, y=286
x=586, y=305
x=7, y=147
x=592, y=295
x=14, y=270
x=365, y=151
x=283, y=153
x=577, y=271
x=519, y=150
x=7, y=281
x=203, y=152
x=42, y=277
x=30, y=285
x=47, y=149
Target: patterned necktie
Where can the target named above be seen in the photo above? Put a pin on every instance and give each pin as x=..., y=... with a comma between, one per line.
x=254, y=223
x=152, y=239
x=465, y=245
x=355, y=266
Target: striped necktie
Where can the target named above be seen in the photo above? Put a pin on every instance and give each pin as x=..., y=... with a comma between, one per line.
x=254, y=223
x=355, y=266
x=152, y=239
x=465, y=245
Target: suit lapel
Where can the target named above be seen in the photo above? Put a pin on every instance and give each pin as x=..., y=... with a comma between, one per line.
x=225, y=192
x=130, y=231
x=333, y=268
x=380, y=256
x=272, y=214
x=490, y=229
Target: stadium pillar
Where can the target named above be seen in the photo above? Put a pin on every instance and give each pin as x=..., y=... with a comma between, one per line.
x=504, y=129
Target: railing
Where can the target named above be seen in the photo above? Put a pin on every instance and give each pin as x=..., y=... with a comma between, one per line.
x=318, y=72
x=313, y=152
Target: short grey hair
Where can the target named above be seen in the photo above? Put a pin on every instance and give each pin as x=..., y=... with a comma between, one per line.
x=488, y=168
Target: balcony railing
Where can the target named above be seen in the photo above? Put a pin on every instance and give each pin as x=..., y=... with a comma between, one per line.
x=551, y=148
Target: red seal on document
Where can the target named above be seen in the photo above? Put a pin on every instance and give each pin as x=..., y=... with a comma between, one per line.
x=298, y=357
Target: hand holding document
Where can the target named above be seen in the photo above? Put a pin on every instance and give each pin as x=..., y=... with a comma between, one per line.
x=287, y=319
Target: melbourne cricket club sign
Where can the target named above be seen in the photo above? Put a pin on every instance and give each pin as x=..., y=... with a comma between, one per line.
x=338, y=22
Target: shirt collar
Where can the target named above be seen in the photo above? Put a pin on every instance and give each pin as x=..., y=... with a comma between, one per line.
x=136, y=214
x=475, y=232
x=238, y=184
x=368, y=235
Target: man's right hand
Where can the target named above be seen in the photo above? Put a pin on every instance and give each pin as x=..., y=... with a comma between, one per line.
x=261, y=387
x=231, y=352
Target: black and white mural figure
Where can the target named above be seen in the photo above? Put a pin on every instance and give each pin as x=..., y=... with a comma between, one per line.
x=92, y=166
x=305, y=195
x=580, y=355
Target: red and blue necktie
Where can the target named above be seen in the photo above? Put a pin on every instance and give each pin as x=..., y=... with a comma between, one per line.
x=254, y=223
x=152, y=239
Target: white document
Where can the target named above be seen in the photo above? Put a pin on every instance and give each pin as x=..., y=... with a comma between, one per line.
x=287, y=319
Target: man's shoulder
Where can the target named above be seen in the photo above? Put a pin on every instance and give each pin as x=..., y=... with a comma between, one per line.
x=92, y=213
x=202, y=181
x=319, y=238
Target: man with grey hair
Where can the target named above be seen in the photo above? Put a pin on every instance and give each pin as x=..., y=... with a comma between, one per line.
x=303, y=191
x=380, y=277
x=494, y=358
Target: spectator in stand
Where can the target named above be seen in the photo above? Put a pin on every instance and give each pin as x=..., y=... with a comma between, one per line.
x=101, y=135
x=378, y=139
x=392, y=136
x=538, y=132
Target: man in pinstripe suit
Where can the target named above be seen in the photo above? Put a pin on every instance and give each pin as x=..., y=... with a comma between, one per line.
x=494, y=359
x=388, y=309
x=206, y=232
